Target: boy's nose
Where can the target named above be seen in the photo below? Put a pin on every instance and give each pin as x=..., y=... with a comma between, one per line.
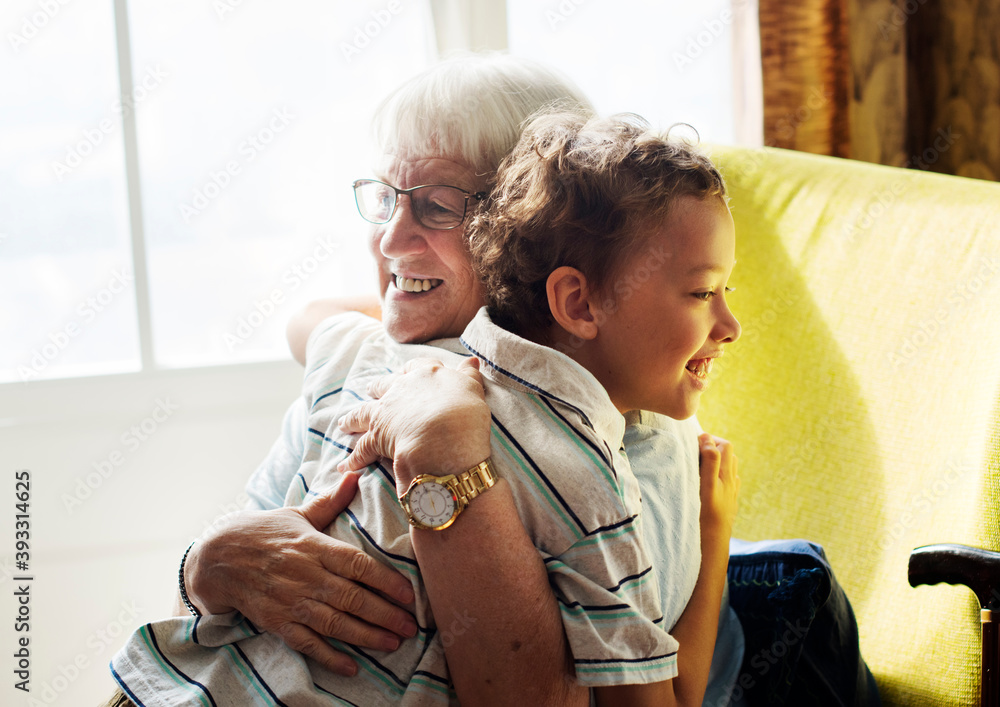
x=728, y=328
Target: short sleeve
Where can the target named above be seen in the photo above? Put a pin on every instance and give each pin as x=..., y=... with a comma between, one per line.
x=609, y=601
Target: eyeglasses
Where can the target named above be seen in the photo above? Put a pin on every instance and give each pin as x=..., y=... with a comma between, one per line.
x=436, y=206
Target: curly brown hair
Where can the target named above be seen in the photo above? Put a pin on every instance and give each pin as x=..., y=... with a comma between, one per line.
x=577, y=192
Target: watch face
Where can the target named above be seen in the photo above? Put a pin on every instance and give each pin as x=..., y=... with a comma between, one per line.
x=432, y=504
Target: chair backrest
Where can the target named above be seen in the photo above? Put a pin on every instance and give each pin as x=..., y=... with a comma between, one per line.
x=864, y=395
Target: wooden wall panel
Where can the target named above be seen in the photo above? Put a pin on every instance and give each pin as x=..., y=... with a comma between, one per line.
x=954, y=67
x=878, y=106
x=910, y=83
x=805, y=77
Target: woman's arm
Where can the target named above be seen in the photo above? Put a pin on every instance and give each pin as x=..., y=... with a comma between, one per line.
x=491, y=599
x=696, y=630
x=488, y=587
x=302, y=323
x=273, y=563
x=279, y=570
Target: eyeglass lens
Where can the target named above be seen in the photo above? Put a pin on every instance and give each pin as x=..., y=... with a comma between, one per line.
x=439, y=207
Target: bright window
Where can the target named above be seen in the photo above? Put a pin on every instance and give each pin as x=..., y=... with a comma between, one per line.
x=669, y=62
x=248, y=146
x=66, y=299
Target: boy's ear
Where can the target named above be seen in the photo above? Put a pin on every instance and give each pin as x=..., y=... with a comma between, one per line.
x=569, y=302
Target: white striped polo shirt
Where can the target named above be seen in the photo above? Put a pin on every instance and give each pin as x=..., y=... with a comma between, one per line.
x=556, y=439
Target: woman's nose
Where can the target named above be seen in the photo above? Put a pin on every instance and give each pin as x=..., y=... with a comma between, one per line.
x=402, y=235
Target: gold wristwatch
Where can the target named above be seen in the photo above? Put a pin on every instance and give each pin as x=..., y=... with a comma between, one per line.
x=434, y=502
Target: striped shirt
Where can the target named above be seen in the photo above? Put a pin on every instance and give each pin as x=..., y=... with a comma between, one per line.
x=556, y=438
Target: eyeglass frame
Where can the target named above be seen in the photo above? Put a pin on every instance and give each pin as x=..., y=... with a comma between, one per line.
x=478, y=196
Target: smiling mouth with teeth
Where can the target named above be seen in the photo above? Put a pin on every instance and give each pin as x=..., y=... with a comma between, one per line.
x=700, y=367
x=406, y=284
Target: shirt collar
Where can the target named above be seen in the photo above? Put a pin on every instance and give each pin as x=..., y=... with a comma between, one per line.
x=535, y=369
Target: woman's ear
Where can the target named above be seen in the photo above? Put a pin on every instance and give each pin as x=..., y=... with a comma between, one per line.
x=569, y=297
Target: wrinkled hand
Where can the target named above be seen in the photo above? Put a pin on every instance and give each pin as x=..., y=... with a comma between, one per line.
x=277, y=569
x=429, y=420
x=720, y=486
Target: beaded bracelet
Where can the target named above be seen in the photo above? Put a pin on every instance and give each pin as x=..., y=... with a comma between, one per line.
x=180, y=582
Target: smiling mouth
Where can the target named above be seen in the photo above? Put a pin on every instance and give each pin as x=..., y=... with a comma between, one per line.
x=408, y=284
x=700, y=367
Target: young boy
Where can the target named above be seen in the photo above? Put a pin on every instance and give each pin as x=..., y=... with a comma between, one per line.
x=605, y=258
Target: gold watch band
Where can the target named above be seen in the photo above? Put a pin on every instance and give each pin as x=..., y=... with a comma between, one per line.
x=473, y=482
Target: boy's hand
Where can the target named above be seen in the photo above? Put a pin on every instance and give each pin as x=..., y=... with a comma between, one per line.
x=430, y=419
x=720, y=485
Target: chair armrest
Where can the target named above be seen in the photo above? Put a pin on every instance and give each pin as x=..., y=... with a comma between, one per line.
x=977, y=569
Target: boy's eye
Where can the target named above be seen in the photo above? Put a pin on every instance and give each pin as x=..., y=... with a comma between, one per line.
x=706, y=296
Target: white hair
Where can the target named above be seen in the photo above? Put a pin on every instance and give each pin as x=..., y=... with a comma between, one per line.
x=471, y=108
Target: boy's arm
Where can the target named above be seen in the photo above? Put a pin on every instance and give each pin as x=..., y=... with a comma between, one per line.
x=696, y=629
x=302, y=323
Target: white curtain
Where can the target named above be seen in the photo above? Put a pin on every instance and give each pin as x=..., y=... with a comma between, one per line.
x=469, y=25
x=748, y=87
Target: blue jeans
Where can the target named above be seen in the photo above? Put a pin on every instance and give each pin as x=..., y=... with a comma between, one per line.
x=799, y=629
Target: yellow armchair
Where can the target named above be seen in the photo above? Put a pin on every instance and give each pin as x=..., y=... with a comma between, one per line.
x=864, y=395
